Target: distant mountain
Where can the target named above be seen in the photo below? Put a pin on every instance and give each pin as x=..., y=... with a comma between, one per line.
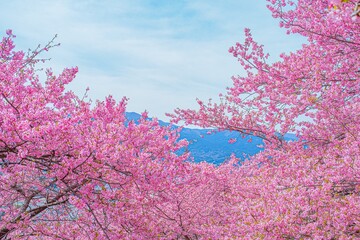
x=213, y=146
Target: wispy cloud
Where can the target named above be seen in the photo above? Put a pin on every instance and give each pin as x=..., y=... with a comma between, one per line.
x=160, y=53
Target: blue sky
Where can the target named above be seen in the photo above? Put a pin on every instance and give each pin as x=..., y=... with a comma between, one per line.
x=162, y=54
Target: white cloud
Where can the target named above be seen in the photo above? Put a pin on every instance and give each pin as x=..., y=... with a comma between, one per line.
x=162, y=54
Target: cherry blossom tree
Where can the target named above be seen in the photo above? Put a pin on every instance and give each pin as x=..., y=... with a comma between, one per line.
x=69, y=170
x=309, y=188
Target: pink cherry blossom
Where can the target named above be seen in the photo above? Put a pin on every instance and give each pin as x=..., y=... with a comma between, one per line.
x=310, y=188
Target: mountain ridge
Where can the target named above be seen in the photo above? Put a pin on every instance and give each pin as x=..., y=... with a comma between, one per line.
x=213, y=146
